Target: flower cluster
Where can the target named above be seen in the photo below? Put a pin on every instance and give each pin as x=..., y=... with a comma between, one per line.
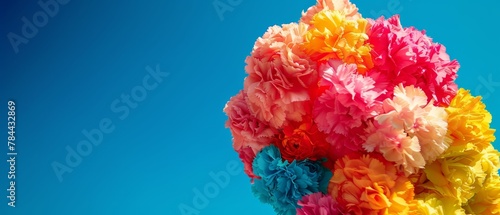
x=340, y=114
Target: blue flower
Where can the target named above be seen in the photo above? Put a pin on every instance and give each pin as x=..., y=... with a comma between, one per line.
x=282, y=184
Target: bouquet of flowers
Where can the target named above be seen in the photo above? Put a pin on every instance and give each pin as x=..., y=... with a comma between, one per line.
x=345, y=115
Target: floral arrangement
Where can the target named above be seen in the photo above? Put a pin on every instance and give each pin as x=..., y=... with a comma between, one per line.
x=345, y=115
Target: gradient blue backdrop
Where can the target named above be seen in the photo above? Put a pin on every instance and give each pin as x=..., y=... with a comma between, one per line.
x=91, y=52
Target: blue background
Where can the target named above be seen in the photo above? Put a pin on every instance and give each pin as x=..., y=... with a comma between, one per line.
x=91, y=52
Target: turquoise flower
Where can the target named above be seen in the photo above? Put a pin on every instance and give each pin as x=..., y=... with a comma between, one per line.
x=282, y=184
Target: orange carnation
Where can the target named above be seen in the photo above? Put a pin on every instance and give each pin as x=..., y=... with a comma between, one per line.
x=333, y=36
x=368, y=184
x=300, y=141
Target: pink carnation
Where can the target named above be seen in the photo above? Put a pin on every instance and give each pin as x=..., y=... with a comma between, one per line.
x=280, y=76
x=247, y=130
x=410, y=131
x=349, y=100
x=409, y=57
x=345, y=6
x=342, y=145
x=247, y=154
x=318, y=204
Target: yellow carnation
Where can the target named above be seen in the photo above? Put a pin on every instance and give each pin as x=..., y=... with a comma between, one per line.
x=459, y=175
x=332, y=36
x=462, y=169
x=487, y=200
x=454, y=176
x=433, y=204
x=468, y=123
x=488, y=165
x=490, y=160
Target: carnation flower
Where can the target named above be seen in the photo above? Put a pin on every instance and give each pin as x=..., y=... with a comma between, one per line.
x=470, y=159
x=282, y=183
x=318, y=204
x=468, y=123
x=368, y=184
x=246, y=129
x=348, y=101
x=487, y=200
x=280, y=76
x=345, y=6
x=247, y=155
x=409, y=57
x=410, y=131
x=454, y=176
x=345, y=115
x=489, y=162
x=382, y=33
x=434, y=204
x=341, y=145
x=459, y=174
x=300, y=141
x=332, y=36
